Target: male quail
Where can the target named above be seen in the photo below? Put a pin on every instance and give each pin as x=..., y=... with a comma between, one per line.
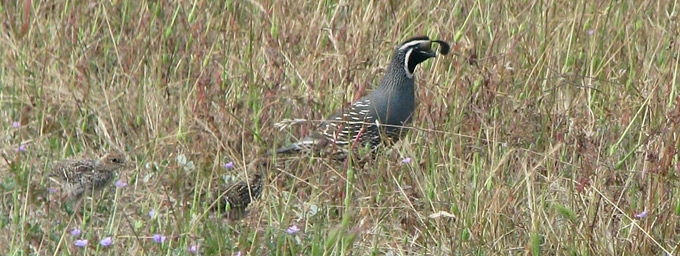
x=235, y=197
x=380, y=116
x=83, y=176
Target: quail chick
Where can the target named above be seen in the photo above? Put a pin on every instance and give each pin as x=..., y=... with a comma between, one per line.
x=234, y=198
x=84, y=176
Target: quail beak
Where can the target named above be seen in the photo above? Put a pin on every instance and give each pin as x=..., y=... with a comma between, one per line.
x=128, y=164
x=429, y=53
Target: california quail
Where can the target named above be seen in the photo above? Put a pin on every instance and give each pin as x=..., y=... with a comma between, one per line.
x=380, y=116
x=235, y=197
x=78, y=177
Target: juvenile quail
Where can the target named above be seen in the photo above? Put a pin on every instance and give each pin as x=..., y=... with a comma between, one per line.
x=379, y=117
x=84, y=176
x=235, y=197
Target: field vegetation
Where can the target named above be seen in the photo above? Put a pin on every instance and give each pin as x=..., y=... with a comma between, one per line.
x=552, y=129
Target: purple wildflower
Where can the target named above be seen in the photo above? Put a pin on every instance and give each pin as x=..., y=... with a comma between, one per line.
x=81, y=243
x=16, y=124
x=292, y=229
x=52, y=190
x=229, y=165
x=159, y=238
x=591, y=32
x=120, y=184
x=193, y=249
x=237, y=253
x=106, y=241
x=641, y=215
x=152, y=213
x=22, y=148
x=75, y=232
x=406, y=160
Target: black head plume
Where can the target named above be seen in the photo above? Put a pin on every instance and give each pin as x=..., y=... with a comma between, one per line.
x=445, y=47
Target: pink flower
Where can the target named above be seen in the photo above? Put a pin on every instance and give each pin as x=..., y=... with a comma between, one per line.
x=641, y=215
x=75, y=232
x=159, y=238
x=81, y=243
x=292, y=229
x=406, y=160
x=106, y=241
x=229, y=165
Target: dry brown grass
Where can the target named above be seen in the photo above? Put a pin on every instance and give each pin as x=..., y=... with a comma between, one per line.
x=553, y=125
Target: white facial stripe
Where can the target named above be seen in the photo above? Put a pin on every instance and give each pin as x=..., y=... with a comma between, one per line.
x=412, y=43
x=408, y=55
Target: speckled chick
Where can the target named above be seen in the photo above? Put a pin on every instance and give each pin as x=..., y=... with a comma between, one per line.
x=235, y=197
x=77, y=177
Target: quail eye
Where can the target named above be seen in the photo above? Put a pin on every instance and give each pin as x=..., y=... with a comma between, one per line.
x=116, y=161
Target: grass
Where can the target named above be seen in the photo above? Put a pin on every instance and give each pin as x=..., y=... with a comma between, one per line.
x=549, y=131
